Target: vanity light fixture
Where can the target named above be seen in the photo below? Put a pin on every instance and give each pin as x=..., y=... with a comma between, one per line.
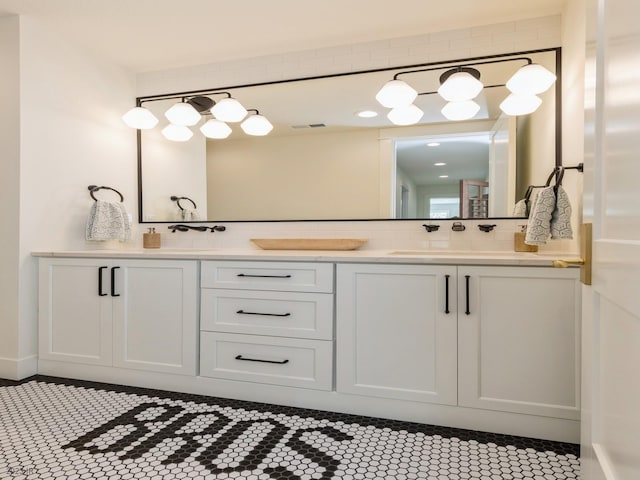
x=256, y=124
x=214, y=128
x=460, y=84
x=407, y=115
x=183, y=114
x=141, y=118
x=177, y=133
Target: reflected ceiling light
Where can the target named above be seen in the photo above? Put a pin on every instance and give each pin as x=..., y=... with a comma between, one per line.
x=520, y=104
x=367, y=114
x=177, y=133
x=444, y=176
x=459, y=84
x=256, y=124
x=405, y=115
x=460, y=110
x=395, y=94
x=531, y=79
x=215, y=129
x=140, y=117
x=433, y=144
x=439, y=164
x=183, y=114
x=229, y=110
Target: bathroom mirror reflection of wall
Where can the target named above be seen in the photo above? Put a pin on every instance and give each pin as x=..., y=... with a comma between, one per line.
x=323, y=162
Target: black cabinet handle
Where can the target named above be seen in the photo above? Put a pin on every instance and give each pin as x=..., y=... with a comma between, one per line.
x=242, y=312
x=466, y=279
x=263, y=276
x=113, y=282
x=240, y=357
x=100, y=269
x=446, y=294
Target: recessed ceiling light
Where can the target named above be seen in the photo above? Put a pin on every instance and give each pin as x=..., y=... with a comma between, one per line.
x=433, y=144
x=444, y=176
x=367, y=114
x=439, y=164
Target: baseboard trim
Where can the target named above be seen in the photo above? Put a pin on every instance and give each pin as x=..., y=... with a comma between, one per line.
x=17, y=369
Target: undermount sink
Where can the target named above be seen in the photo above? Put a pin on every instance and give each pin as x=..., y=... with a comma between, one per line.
x=451, y=253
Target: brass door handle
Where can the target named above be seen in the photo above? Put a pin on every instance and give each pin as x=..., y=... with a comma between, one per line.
x=565, y=263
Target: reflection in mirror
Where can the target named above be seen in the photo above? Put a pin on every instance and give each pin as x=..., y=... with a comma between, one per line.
x=324, y=162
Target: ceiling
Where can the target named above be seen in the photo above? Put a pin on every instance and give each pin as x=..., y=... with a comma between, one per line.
x=148, y=35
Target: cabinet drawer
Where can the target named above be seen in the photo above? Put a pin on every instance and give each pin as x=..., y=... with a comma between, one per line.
x=280, y=361
x=283, y=276
x=283, y=314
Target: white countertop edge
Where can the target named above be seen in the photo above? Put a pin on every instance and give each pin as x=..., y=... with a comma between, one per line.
x=350, y=256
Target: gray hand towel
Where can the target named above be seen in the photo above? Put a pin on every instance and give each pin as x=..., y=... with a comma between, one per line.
x=561, y=218
x=108, y=221
x=520, y=208
x=539, y=225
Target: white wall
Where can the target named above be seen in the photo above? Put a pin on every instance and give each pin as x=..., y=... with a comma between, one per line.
x=71, y=136
x=9, y=190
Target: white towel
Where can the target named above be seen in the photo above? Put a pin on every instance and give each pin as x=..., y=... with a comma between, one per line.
x=561, y=218
x=187, y=214
x=539, y=225
x=520, y=208
x=108, y=221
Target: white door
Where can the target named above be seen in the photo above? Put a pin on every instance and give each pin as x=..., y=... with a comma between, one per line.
x=611, y=421
x=155, y=315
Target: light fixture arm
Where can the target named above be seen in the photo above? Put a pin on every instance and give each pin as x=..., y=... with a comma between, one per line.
x=465, y=65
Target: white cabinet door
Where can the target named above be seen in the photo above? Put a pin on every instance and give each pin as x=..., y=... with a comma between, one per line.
x=395, y=338
x=519, y=338
x=155, y=315
x=75, y=310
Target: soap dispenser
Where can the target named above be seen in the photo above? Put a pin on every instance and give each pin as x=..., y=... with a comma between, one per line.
x=518, y=241
x=151, y=239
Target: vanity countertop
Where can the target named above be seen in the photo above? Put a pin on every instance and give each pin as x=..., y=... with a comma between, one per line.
x=353, y=256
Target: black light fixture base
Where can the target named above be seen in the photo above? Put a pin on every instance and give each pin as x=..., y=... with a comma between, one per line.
x=471, y=71
x=201, y=103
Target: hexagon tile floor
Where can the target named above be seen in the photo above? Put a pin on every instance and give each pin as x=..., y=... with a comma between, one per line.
x=58, y=428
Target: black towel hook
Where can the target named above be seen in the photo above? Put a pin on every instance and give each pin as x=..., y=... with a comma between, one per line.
x=177, y=200
x=95, y=188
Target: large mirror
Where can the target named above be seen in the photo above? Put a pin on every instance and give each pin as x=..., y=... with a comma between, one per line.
x=322, y=161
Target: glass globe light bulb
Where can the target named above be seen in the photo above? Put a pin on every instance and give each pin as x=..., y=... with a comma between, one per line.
x=459, y=87
x=460, y=110
x=215, y=129
x=520, y=104
x=229, y=110
x=396, y=93
x=177, y=133
x=531, y=79
x=140, y=117
x=182, y=114
x=408, y=115
x=257, y=125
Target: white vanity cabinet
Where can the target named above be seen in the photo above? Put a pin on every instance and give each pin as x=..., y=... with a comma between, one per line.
x=506, y=341
x=397, y=331
x=518, y=340
x=129, y=313
x=267, y=322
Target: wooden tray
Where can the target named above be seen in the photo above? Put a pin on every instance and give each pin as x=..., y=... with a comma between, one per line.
x=309, y=243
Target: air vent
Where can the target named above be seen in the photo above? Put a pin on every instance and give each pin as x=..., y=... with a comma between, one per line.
x=311, y=125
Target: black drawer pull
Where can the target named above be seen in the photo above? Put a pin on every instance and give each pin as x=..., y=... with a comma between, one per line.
x=113, y=282
x=263, y=276
x=466, y=279
x=100, y=269
x=446, y=294
x=242, y=312
x=240, y=357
